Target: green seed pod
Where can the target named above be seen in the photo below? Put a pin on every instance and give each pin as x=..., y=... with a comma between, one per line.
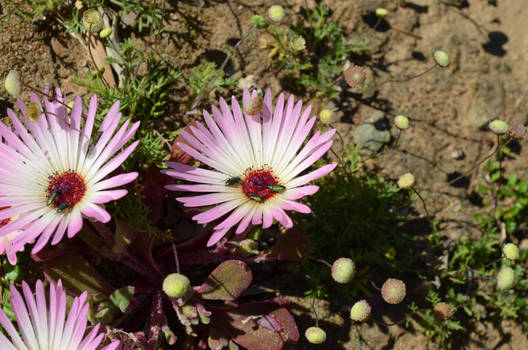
x=298, y=43
x=441, y=58
x=343, y=270
x=176, y=285
x=105, y=33
x=381, y=12
x=499, y=127
x=360, y=311
x=276, y=13
x=12, y=83
x=92, y=20
x=315, y=335
x=326, y=116
x=401, y=122
x=511, y=251
x=189, y=311
x=406, y=181
x=505, y=278
x=259, y=21
x=442, y=310
x=393, y=291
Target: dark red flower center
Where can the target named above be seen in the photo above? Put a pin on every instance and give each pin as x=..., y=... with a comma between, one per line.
x=256, y=184
x=4, y=221
x=65, y=190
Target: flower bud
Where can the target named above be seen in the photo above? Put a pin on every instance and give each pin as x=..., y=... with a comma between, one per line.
x=499, y=127
x=360, y=311
x=105, y=33
x=442, y=311
x=12, y=83
x=511, y=251
x=248, y=247
x=505, y=278
x=401, y=122
x=253, y=107
x=381, y=12
x=343, y=270
x=276, y=13
x=33, y=111
x=259, y=21
x=92, y=20
x=176, y=285
x=298, y=43
x=393, y=291
x=315, y=335
x=326, y=116
x=441, y=58
x=406, y=181
x=189, y=311
x=517, y=131
x=355, y=76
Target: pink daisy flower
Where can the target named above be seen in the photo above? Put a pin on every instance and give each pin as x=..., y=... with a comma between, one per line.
x=11, y=244
x=255, y=160
x=52, y=172
x=49, y=327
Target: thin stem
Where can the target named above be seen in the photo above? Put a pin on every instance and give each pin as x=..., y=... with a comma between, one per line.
x=176, y=258
x=101, y=76
x=322, y=262
x=423, y=202
x=409, y=78
x=404, y=31
x=314, y=310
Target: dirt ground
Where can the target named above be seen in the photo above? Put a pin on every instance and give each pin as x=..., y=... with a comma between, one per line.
x=488, y=79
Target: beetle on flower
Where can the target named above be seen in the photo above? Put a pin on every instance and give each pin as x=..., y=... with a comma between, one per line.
x=52, y=172
x=264, y=151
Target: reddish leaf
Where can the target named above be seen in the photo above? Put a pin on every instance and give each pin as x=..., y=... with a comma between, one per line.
x=227, y=282
x=290, y=246
x=177, y=154
x=154, y=191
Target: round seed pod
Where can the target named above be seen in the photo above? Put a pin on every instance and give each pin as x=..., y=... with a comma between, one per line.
x=442, y=310
x=92, y=20
x=298, y=43
x=360, y=311
x=505, y=278
x=326, y=116
x=105, y=33
x=401, y=122
x=276, y=13
x=499, y=127
x=393, y=291
x=355, y=76
x=176, y=285
x=511, y=251
x=253, y=107
x=406, y=181
x=343, y=270
x=12, y=83
x=517, y=131
x=381, y=12
x=315, y=335
x=441, y=58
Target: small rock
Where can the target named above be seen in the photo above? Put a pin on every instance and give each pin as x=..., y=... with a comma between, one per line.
x=524, y=244
x=457, y=154
x=373, y=133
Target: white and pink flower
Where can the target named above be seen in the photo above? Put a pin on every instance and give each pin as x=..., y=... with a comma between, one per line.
x=52, y=172
x=48, y=326
x=255, y=163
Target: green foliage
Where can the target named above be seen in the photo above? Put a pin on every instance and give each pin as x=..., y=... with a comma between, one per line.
x=430, y=325
x=327, y=49
x=355, y=216
x=200, y=79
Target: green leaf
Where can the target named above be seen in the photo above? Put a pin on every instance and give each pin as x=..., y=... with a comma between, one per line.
x=512, y=180
x=121, y=297
x=12, y=273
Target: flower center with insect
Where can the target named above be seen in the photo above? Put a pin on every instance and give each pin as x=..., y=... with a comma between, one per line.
x=261, y=184
x=65, y=190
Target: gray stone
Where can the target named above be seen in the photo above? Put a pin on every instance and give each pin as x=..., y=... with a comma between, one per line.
x=488, y=103
x=373, y=133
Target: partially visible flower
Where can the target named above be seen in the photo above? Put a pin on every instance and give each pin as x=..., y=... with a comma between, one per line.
x=47, y=325
x=355, y=77
x=256, y=163
x=11, y=243
x=54, y=173
x=92, y=20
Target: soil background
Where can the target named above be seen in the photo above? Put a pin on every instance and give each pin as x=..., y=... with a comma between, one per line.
x=448, y=108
